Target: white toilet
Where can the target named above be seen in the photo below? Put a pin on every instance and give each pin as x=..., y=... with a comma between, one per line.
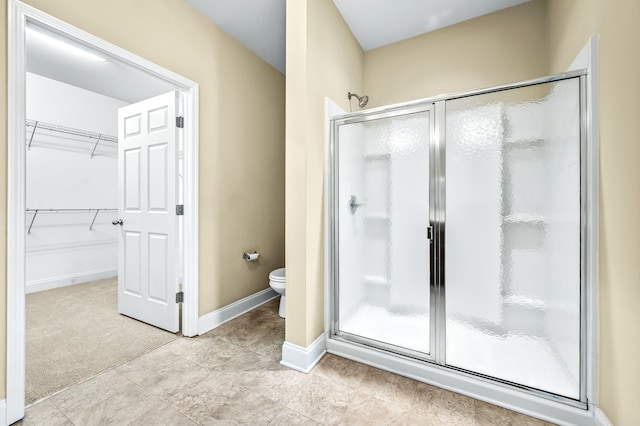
x=277, y=283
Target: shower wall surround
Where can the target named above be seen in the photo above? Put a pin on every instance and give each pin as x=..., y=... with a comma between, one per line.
x=458, y=237
x=513, y=270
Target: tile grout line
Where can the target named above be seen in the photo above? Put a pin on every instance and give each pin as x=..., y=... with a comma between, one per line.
x=167, y=403
x=60, y=410
x=86, y=379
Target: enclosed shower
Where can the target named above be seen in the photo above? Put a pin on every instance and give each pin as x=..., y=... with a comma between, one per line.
x=458, y=237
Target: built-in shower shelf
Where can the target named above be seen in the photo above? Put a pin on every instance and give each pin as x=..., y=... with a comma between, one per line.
x=377, y=216
x=525, y=143
x=525, y=301
x=376, y=280
x=525, y=218
x=377, y=156
x=537, y=303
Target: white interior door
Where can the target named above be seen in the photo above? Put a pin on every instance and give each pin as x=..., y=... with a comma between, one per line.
x=147, y=198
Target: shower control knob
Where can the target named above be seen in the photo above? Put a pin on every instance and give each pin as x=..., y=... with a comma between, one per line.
x=117, y=222
x=354, y=204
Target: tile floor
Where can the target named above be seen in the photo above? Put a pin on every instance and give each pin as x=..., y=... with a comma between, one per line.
x=232, y=375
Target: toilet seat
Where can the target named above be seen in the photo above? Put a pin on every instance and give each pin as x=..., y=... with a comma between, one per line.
x=278, y=286
x=277, y=275
x=277, y=281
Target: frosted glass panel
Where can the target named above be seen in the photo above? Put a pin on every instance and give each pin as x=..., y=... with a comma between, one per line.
x=383, y=212
x=513, y=236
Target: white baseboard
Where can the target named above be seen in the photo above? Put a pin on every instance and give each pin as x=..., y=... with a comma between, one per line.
x=601, y=419
x=3, y=412
x=72, y=279
x=32, y=249
x=304, y=359
x=218, y=317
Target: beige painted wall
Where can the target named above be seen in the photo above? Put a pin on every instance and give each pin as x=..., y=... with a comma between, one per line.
x=241, y=136
x=502, y=47
x=295, y=176
x=323, y=59
x=619, y=210
x=571, y=22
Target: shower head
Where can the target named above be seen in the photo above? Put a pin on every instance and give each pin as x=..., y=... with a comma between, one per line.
x=362, y=100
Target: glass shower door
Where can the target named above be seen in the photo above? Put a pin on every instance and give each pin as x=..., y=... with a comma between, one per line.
x=383, y=251
x=513, y=215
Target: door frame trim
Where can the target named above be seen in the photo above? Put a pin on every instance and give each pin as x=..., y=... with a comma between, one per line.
x=18, y=15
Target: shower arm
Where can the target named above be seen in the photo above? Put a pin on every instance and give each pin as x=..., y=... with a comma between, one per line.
x=362, y=100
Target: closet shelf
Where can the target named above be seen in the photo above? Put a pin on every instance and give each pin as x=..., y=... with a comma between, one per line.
x=37, y=211
x=33, y=126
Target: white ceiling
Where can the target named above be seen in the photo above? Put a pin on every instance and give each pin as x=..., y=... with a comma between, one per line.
x=260, y=24
x=377, y=23
x=51, y=59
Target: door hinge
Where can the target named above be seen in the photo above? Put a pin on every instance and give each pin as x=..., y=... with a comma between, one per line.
x=430, y=233
x=180, y=297
x=180, y=210
x=180, y=122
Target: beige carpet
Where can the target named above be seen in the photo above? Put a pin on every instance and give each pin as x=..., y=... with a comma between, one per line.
x=76, y=332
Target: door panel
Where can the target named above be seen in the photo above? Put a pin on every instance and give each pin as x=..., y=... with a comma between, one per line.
x=132, y=168
x=513, y=236
x=148, y=258
x=131, y=249
x=384, y=250
x=158, y=249
x=158, y=185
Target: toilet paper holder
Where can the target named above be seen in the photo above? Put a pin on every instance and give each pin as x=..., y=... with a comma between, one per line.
x=250, y=257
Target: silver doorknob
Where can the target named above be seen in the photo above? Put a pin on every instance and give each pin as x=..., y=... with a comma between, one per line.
x=117, y=222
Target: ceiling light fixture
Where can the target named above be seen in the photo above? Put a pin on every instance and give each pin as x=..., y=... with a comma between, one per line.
x=62, y=45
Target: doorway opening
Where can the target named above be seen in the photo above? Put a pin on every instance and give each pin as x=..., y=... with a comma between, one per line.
x=68, y=192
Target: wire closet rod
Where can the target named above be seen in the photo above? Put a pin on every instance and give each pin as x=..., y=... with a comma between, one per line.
x=41, y=125
x=70, y=210
x=36, y=211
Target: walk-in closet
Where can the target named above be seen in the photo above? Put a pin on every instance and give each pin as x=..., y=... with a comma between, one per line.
x=73, y=207
x=72, y=165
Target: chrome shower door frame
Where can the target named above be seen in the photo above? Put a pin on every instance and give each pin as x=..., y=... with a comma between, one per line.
x=433, y=369
x=334, y=230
